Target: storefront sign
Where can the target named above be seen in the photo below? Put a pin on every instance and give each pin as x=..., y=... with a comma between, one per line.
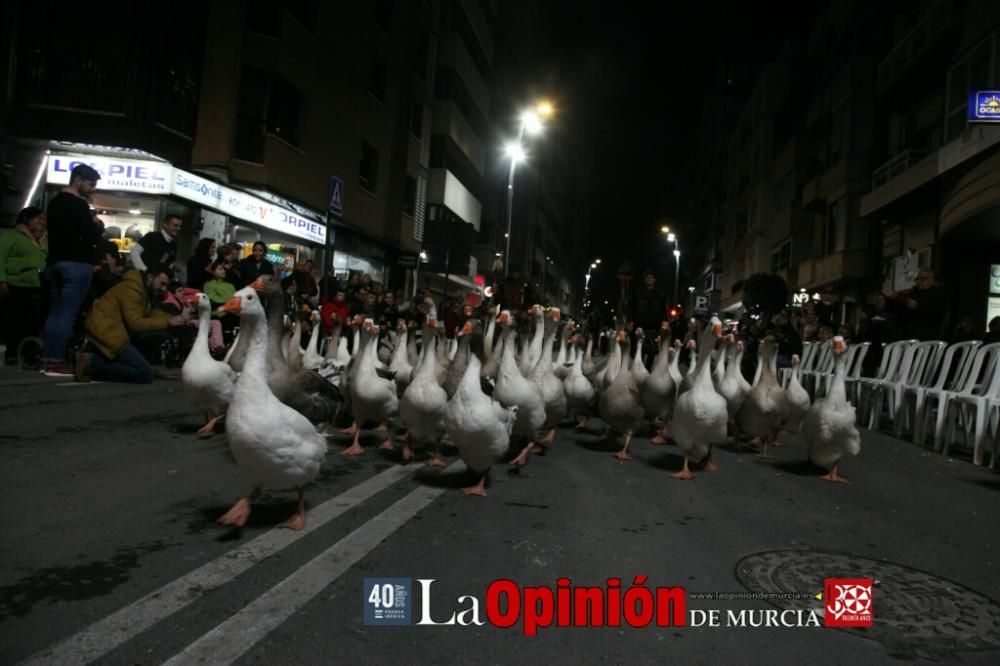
x=984, y=106
x=116, y=174
x=246, y=207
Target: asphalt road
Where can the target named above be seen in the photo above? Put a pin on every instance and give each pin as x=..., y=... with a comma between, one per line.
x=111, y=551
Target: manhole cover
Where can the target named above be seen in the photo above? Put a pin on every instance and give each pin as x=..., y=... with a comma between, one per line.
x=916, y=614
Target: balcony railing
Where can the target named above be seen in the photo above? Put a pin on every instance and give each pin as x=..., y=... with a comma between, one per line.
x=936, y=22
x=896, y=165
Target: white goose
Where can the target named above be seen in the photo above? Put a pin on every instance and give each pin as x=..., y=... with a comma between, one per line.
x=400, y=363
x=311, y=360
x=797, y=399
x=542, y=374
x=276, y=446
x=514, y=390
x=579, y=391
x=675, y=366
x=423, y=403
x=620, y=405
x=373, y=398
x=830, y=426
x=531, y=351
x=700, y=415
x=659, y=391
x=209, y=380
x=639, y=371
x=763, y=410
x=564, y=360
x=733, y=387
x=478, y=425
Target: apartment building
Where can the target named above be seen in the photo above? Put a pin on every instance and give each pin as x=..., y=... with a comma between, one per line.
x=935, y=181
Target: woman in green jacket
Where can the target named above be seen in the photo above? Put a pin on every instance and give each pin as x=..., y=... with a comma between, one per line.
x=23, y=252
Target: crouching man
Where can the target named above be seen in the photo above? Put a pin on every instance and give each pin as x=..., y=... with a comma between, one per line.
x=126, y=309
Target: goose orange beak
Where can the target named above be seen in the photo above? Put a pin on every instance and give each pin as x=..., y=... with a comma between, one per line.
x=466, y=328
x=839, y=345
x=234, y=304
x=258, y=284
x=503, y=318
x=432, y=322
x=717, y=330
x=556, y=315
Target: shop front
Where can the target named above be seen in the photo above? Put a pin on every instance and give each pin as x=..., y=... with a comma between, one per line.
x=138, y=190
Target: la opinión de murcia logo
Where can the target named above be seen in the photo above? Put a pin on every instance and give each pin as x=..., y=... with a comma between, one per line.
x=848, y=602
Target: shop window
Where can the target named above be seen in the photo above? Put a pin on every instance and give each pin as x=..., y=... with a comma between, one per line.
x=974, y=70
x=77, y=77
x=377, y=77
x=177, y=105
x=409, y=195
x=780, y=258
x=368, y=176
x=417, y=119
x=284, y=111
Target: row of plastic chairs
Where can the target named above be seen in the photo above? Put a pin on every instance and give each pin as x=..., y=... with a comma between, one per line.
x=932, y=387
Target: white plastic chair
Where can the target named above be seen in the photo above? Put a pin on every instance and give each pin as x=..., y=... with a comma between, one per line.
x=785, y=374
x=973, y=411
x=912, y=371
x=822, y=364
x=984, y=365
x=888, y=368
x=951, y=372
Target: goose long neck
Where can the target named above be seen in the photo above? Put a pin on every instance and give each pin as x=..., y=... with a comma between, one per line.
x=399, y=352
x=428, y=359
x=255, y=365
x=204, y=321
x=838, y=392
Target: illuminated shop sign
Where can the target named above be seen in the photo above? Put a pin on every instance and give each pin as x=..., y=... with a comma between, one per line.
x=246, y=207
x=984, y=106
x=116, y=174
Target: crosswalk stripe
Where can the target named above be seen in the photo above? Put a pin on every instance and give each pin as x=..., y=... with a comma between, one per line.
x=105, y=635
x=230, y=640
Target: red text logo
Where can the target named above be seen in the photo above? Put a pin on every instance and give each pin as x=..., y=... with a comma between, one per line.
x=848, y=602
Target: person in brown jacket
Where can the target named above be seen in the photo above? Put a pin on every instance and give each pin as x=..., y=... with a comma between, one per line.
x=126, y=309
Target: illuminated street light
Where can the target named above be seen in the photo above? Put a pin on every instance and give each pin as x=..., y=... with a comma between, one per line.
x=531, y=122
x=671, y=238
x=664, y=229
x=597, y=261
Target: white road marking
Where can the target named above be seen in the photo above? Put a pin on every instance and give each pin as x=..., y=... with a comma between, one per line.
x=105, y=635
x=230, y=640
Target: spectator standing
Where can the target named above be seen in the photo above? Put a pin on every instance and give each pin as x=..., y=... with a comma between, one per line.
x=925, y=307
x=789, y=341
x=198, y=266
x=649, y=304
x=993, y=332
x=73, y=236
x=256, y=264
x=514, y=293
x=332, y=307
x=306, y=283
x=158, y=248
x=387, y=312
x=23, y=254
x=126, y=310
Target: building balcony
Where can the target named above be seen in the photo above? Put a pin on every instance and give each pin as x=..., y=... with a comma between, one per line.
x=813, y=194
x=454, y=54
x=450, y=122
x=447, y=190
x=923, y=45
x=910, y=170
x=842, y=266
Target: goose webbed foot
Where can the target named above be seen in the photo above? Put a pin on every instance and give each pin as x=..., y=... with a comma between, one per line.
x=522, y=457
x=437, y=461
x=479, y=489
x=298, y=519
x=834, y=477
x=355, y=448
x=239, y=512
x=685, y=473
x=623, y=455
x=208, y=430
x=353, y=430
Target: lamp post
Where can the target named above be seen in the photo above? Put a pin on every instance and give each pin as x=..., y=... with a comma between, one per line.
x=531, y=122
x=672, y=238
x=586, y=279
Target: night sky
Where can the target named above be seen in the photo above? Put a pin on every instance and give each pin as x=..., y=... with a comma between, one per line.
x=630, y=79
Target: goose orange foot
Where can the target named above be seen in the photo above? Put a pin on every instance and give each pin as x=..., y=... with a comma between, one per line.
x=353, y=450
x=387, y=445
x=298, y=519
x=437, y=461
x=479, y=489
x=833, y=476
x=623, y=455
x=350, y=431
x=208, y=430
x=381, y=427
x=522, y=457
x=658, y=438
x=550, y=437
x=710, y=466
x=685, y=473
x=407, y=451
x=237, y=514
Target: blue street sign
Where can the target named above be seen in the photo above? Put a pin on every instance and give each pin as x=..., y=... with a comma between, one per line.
x=984, y=106
x=336, y=205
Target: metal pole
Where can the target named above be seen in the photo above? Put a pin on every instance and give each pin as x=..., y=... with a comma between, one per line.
x=677, y=270
x=510, y=204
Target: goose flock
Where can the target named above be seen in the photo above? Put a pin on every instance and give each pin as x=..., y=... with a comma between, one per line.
x=497, y=391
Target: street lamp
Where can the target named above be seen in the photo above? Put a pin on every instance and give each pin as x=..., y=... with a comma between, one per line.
x=531, y=122
x=672, y=238
x=586, y=278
